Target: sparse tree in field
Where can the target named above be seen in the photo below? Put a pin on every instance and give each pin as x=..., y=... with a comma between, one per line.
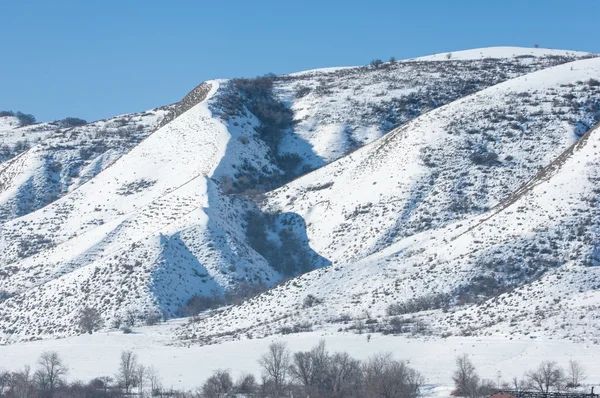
x=275, y=364
x=246, y=385
x=449, y=56
x=388, y=378
x=392, y=60
x=219, y=385
x=140, y=377
x=104, y=383
x=21, y=146
x=309, y=368
x=466, y=380
x=515, y=384
x=344, y=375
x=130, y=318
x=72, y=122
x=127, y=370
x=50, y=372
x=90, y=320
x=22, y=383
x=575, y=374
x=536, y=46
x=547, y=377
x=154, y=380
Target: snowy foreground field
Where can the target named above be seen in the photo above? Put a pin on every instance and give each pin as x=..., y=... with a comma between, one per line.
x=88, y=356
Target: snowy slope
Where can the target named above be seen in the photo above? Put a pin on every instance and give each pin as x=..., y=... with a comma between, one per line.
x=458, y=160
x=8, y=123
x=526, y=267
x=141, y=237
x=134, y=215
x=529, y=233
x=64, y=158
x=15, y=139
x=338, y=110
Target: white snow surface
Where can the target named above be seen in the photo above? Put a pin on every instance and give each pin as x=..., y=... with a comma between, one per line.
x=499, y=52
x=62, y=159
x=537, y=244
x=422, y=175
x=186, y=368
x=338, y=110
x=137, y=238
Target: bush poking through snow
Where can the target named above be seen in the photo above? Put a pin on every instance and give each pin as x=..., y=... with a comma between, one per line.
x=310, y=301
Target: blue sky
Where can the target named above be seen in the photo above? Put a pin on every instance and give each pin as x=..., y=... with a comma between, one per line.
x=95, y=59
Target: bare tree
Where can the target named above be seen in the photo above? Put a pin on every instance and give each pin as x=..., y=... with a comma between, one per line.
x=575, y=374
x=127, y=370
x=516, y=384
x=50, y=372
x=388, y=378
x=310, y=367
x=302, y=371
x=275, y=364
x=104, y=383
x=219, y=385
x=344, y=375
x=547, y=377
x=246, y=385
x=154, y=380
x=4, y=382
x=90, y=320
x=466, y=380
x=376, y=63
x=140, y=377
x=22, y=383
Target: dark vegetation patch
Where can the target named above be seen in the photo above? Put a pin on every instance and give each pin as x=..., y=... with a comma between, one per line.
x=200, y=303
x=135, y=187
x=276, y=238
x=275, y=119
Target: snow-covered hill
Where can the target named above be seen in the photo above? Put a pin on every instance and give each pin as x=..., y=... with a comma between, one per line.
x=536, y=241
x=142, y=236
x=137, y=214
x=338, y=110
x=526, y=267
x=62, y=159
x=456, y=161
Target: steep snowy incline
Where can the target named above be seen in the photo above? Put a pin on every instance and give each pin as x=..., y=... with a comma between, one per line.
x=66, y=158
x=139, y=239
x=337, y=110
x=527, y=267
x=453, y=162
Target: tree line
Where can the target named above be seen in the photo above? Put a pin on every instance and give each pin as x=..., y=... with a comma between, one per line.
x=546, y=378
x=316, y=373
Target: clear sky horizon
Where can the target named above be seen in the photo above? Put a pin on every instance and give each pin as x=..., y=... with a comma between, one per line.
x=96, y=59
